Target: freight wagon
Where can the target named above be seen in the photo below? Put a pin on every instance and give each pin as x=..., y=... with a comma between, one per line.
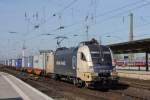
x=18, y=63
x=30, y=64
x=42, y=62
x=24, y=62
x=13, y=63
x=9, y=62
x=37, y=67
x=50, y=63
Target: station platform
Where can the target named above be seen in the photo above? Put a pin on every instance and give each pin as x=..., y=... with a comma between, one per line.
x=12, y=88
x=142, y=75
x=134, y=68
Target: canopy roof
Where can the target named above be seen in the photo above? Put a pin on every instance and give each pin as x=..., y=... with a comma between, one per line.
x=136, y=46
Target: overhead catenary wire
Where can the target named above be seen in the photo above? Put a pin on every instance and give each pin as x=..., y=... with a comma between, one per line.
x=118, y=14
x=68, y=26
x=106, y=19
x=115, y=15
x=108, y=12
x=120, y=8
x=60, y=11
x=45, y=20
x=66, y=7
x=111, y=17
x=136, y=26
x=102, y=14
x=29, y=19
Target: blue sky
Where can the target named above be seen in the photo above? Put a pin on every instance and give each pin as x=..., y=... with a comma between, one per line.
x=101, y=20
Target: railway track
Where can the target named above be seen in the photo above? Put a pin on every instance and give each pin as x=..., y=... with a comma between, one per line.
x=136, y=83
x=92, y=94
x=60, y=90
x=130, y=95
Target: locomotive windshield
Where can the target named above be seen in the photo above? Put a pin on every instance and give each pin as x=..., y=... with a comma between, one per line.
x=100, y=55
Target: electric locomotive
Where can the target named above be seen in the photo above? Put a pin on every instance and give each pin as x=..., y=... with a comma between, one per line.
x=85, y=64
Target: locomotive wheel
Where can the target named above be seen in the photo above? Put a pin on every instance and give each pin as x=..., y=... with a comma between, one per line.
x=56, y=77
x=79, y=83
x=86, y=85
x=76, y=82
x=83, y=84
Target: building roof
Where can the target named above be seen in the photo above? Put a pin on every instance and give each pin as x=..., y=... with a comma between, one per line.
x=135, y=46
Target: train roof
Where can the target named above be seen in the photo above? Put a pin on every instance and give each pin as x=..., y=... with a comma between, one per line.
x=91, y=42
x=65, y=48
x=45, y=51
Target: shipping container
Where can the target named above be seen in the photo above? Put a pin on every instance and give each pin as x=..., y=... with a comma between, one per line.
x=30, y=61
x=13, y=62
x=25, y=62
x=10, y=62
x=6, y=62
x=36, y=61
x=37, y=64
x=50, y=63
x=18, y=62
x=30, y=64
x=39, y=61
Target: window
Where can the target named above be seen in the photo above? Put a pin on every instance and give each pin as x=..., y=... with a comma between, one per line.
x=83, y=57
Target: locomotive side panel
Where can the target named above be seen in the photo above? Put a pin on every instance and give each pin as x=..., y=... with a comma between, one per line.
x=64, y=62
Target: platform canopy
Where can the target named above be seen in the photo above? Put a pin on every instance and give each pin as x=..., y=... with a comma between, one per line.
x=136, y=46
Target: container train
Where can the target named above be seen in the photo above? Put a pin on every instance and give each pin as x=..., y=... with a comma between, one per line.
x=87, y=64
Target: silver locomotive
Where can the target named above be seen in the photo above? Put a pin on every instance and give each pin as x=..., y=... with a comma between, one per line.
x=85, y=64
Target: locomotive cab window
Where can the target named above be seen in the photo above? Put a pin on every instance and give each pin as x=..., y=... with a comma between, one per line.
x=83, y=56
